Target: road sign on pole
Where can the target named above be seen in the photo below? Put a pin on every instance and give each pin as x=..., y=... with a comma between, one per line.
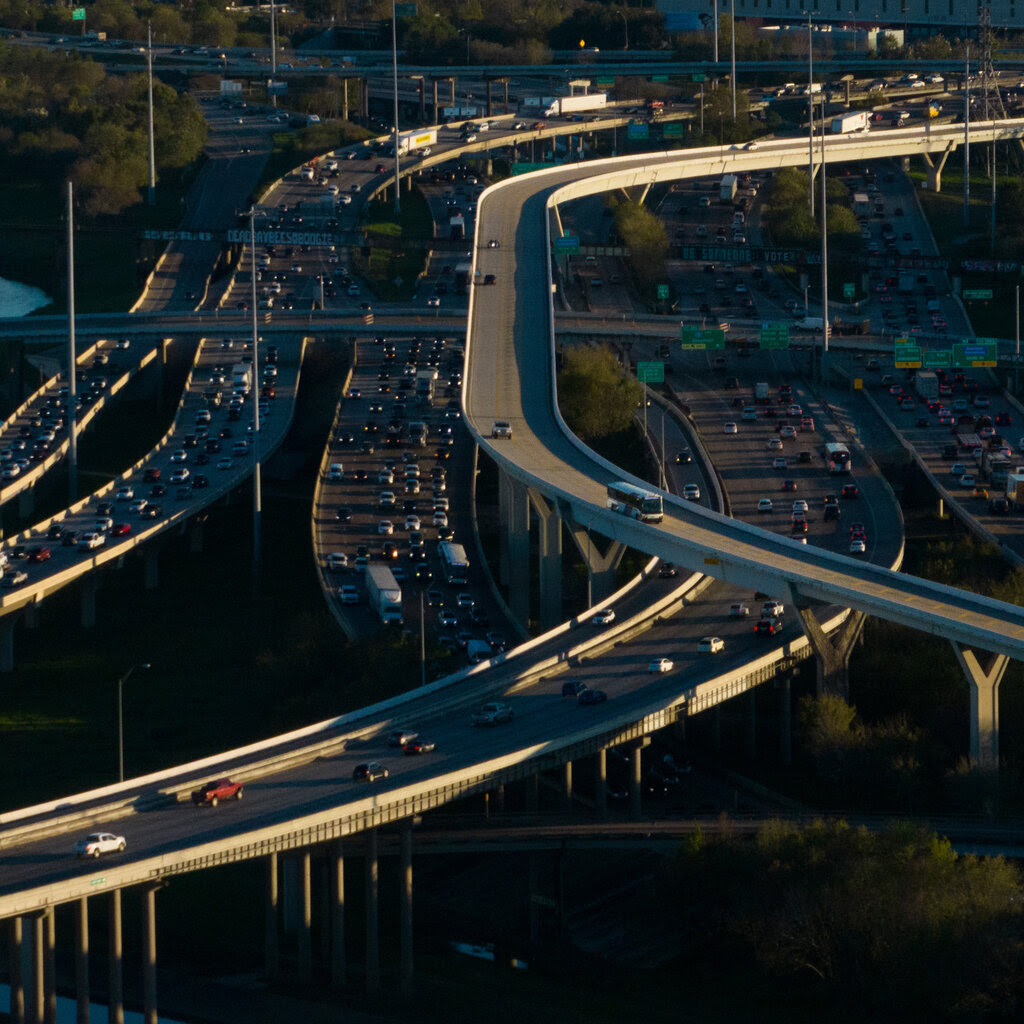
x=650, y=373
x=979, y=352
x=978, y=293
x=567, y=245
x=907, y=357
x=78, y=14
x=849, y=290
x=662, y=292
x=774, y=335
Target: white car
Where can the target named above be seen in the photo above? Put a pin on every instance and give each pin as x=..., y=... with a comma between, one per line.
x=412, y=523
x=344, y=199
x=386, y=527
x=138, y=505
x=774, y=444
x=179, y=456
x=605, y=617
x=91, y=540
x=738, y=611
x=787, y=431
x=773, y=610
x=710, y=645
x=660, y=665
x=800, y=506
x=967, y=480
x=501, y=428
x=99, y=842
x=858, y=547
x=440, y=519
x=180, y=475
x=765, y=505
x=386, y=476
x=780, y=463
x=337, y=560
x=731, y=428
x=124, y=493
x=691, y=492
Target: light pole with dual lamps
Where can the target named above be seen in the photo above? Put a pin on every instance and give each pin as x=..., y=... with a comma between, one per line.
x=120, y=717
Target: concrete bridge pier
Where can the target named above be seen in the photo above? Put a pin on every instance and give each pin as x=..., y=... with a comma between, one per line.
x=567, y=786
x=271, y=943
x=636, y=778
x=149, y=1011
x=7, y=645
x=15, y=951
x=514, y=511
x=831, y=653
x=306, y=917
x=90, y=585
x=785, y=720
x=406, y=961
x=27, y=502
x=601, y=784
x=751, y=716
x=372, y=879
x=196, y=536
x=337, y=860
x=984, y=686
x=550, y=557
x=532, y=793
x=82, y=961
x=935, y=165
x=32, y=615
x=601, y=568
x=115, y=998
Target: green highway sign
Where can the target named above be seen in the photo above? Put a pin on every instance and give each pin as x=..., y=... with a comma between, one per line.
x=698, y=77
x=978, y=293
x=650, y=373
x=698, y=338
x=907, y=357
x=849, y=290
x=638, y=130
x=405, y=10
x=606, y=83
x=979, y=352
x=78, y=14
x=901, y=341
x=935, y=359
x=774, y=335
x=659, y=78
x=672, y=130
x=662, y=292
x=567, y=245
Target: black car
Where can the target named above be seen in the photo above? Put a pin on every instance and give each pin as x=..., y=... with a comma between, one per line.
x=667, y=571
x=344, y=514
x=418, y=746
x=371, y=771
x=573, y=688
x=684, y=456
x=592, y=697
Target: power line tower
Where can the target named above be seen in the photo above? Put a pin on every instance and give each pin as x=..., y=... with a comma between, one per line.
x=991, y=101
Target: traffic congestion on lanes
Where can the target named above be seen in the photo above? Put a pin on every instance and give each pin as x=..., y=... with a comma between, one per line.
x=210, y=448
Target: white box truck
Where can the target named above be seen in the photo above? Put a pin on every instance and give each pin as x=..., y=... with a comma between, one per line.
x=854, y=121
x=926, y=384
x=384, y=594
x=576, y=104
x=241, y=377
x=417, y=142
x=727, y=188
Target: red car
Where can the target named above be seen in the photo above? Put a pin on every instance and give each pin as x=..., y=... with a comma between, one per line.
x=151, y=476
x=767, y=627
x=120, y=529
x=213, y=792
x=850, y=491
x=39, y=554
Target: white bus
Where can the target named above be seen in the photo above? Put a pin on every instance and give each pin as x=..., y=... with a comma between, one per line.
x=838, y=458
x=634, y=501
x=454, y=563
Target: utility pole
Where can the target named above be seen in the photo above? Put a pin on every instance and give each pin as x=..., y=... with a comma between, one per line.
x=152, y=157
x=394, y=71
x=732, y=43
x=810, y=109
x=72, y=357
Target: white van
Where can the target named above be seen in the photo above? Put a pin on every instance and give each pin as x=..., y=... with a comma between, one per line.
x=336, y=472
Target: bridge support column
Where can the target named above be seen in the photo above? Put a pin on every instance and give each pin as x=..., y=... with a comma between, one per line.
x=49, y=967
x=567, y=786
x=984, y=684
x=82, y=961
x=27, y=502
x=636, y=778
x=499, y=799
x=7, y=645
x=149, y=1014
x=372, y=920
x=306, y=922
x=338, y=913
x=15, y=952
x=832, y=653
x=515, y=531
x=601, y=787
x=601, y=569
x=405, y=923
x=196, y=535
x=556, y=213
x=89, y=586
x=751, y=724
x=32, y=616
x=935, y=166
x=38, y=971
x=271, y=947
x=550, y=556
x=115, y=999
x=152, y=566
x=785, y=721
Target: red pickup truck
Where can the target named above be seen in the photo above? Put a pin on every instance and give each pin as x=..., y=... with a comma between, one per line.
x=213, y=792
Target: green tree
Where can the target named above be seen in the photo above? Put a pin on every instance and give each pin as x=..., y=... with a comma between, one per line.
x=645, y=235
x=595, y=395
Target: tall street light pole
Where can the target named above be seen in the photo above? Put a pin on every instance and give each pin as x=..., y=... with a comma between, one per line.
x=810, y=109
x=120, y=718
x=152, y=157
x=714, y=7
x=732, y=44
x=72, y=358
x=394, y=71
